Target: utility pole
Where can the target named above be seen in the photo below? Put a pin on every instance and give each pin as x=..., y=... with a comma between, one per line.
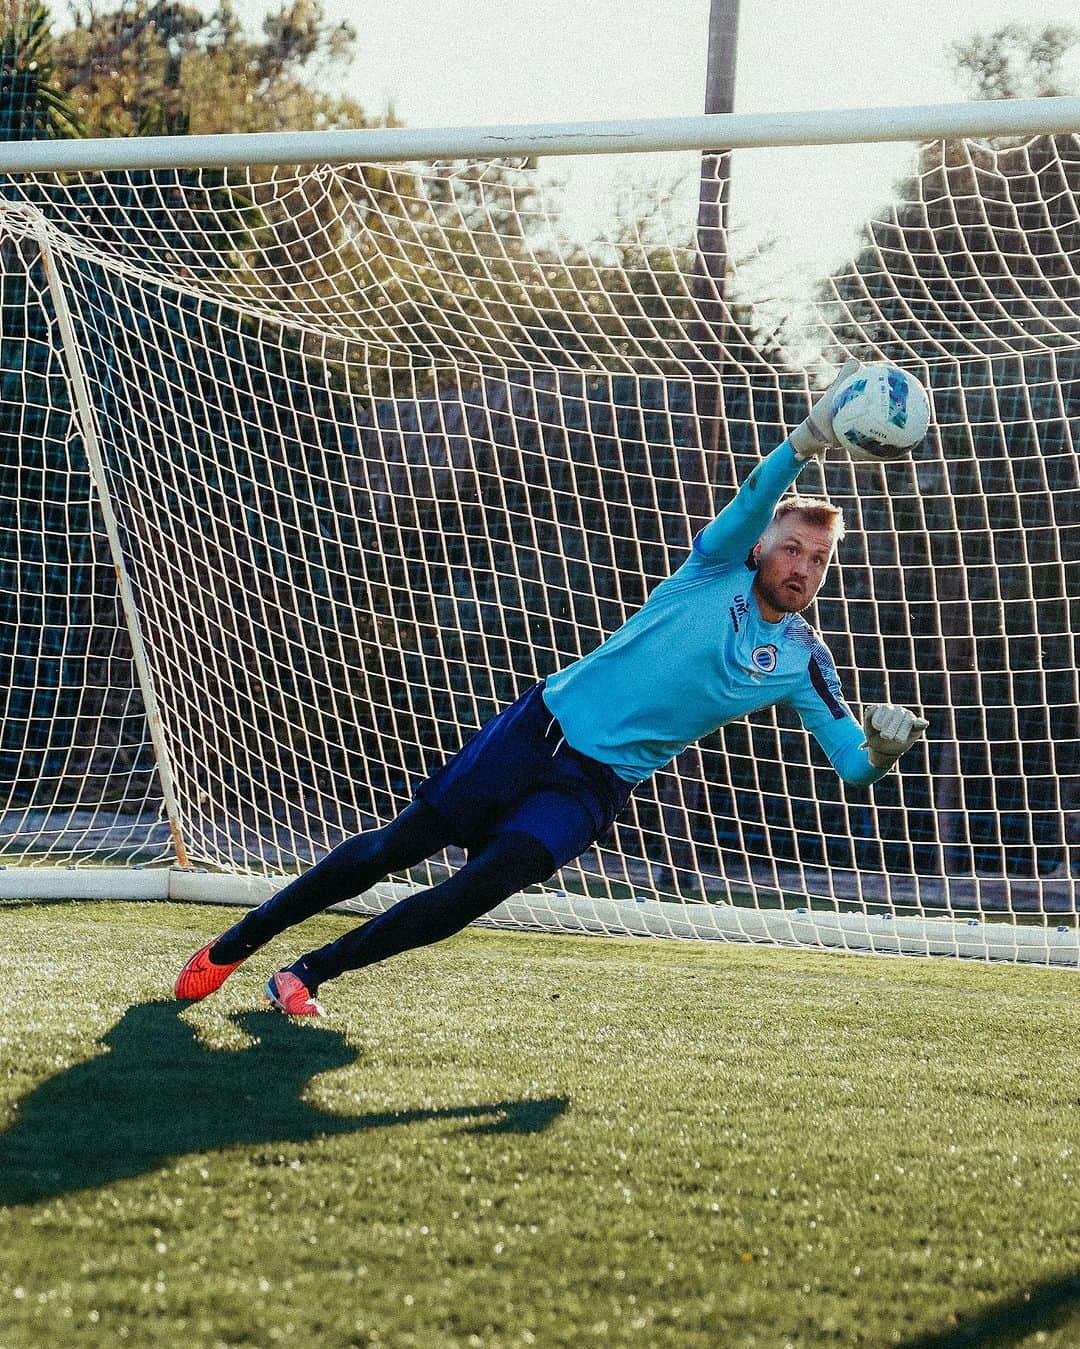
x=715, y=168
x=713, y=193
x=682, y=799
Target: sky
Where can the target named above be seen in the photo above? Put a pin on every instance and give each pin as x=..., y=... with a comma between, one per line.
x=495, y=62
x=451, y=62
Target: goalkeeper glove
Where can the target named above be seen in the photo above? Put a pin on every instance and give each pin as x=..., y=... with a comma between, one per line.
x=890, y=730
x=814, y=436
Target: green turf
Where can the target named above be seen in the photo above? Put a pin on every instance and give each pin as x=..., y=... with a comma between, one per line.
x=514, y=1140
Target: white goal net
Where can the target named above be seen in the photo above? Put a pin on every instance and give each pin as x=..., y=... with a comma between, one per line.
x=378, y=446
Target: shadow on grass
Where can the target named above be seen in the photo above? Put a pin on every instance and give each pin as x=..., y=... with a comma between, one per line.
x=159, y=1093
x=1051, y=1305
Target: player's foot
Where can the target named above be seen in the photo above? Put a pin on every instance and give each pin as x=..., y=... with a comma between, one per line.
x=200, y=976
x=291, y=995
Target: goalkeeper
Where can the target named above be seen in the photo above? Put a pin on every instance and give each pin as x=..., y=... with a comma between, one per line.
x=546, y=777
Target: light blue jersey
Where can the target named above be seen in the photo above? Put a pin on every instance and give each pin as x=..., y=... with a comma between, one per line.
x=698, y=654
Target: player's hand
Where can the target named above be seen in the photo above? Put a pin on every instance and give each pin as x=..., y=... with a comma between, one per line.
x=890, y=730
x=814, y=436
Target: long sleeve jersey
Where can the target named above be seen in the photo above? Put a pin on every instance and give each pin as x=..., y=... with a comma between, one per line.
x=698, y=654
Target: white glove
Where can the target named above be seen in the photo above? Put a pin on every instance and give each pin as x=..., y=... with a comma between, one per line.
x=890, y=730
x=814, y=436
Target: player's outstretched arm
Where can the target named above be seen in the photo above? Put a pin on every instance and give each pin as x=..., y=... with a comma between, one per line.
x=860, y=754
x=744, y=519
x=890, y=731
x=863, y=755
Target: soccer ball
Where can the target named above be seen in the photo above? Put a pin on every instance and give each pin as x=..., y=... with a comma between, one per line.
x=880, y=413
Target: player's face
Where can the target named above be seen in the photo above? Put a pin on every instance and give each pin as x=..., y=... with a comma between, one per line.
x=792, y=561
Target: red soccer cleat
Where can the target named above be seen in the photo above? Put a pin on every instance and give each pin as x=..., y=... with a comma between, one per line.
x=200, y=976
x=291, y=995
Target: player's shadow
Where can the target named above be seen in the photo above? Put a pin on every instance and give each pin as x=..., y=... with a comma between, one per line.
x=159, y=1093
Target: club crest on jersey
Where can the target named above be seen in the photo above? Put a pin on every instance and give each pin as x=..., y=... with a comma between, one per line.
x=764, y=658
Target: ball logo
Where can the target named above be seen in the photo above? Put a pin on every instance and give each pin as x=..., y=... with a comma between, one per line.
x=764, y=657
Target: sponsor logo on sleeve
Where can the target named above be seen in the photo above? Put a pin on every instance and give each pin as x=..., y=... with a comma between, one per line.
x=739, y=608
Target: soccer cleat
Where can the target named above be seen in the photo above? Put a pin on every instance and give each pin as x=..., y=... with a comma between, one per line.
x=291, y=995
x=200, y=976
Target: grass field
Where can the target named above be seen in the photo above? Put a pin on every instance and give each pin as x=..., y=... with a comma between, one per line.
x=517, y=1140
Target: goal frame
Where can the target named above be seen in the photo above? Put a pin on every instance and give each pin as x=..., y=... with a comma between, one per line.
x=716, y=132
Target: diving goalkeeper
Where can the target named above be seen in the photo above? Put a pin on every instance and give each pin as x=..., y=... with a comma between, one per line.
x=546, y=777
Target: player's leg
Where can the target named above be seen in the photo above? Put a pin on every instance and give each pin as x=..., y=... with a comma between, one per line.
x=504, y=865
x=459, y=803
x=353, y=867
x=540, y=832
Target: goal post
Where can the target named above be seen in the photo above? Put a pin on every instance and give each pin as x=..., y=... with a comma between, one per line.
x=86, y=421
x=321, y=448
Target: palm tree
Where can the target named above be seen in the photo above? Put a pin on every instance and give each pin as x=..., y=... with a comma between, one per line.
x=33, y=102
x=33, y=425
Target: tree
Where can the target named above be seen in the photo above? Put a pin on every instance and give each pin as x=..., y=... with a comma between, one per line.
x=445, y=277
x=1016, y=61
x=33, y=99
x=166, y=67
x=970, y=274
x=44, y=537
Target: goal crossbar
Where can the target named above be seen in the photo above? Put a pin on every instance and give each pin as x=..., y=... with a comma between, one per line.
x=713, y=131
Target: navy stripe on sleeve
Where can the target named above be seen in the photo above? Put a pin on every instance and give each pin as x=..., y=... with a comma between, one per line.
x=821, y=684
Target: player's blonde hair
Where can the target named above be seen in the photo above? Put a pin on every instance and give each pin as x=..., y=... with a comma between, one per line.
x=815, y=511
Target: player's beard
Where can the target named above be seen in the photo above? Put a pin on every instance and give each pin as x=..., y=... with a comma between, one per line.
x=781, y=596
